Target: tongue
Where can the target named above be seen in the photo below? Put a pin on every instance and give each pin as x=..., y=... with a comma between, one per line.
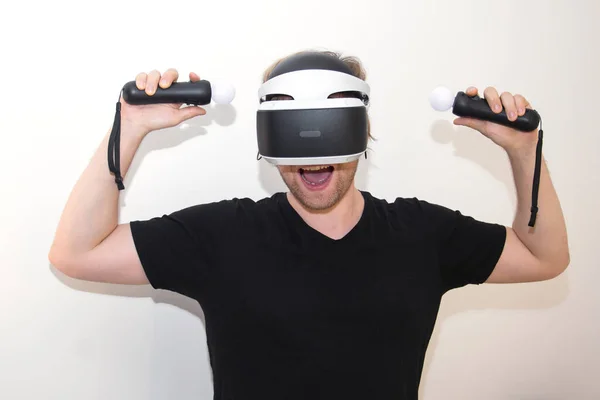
x=316, y=177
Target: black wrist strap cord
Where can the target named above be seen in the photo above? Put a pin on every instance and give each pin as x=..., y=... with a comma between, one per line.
x=114, y=144
x=536, y=176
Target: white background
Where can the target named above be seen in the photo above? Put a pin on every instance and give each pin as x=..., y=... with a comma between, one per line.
x=63, y=64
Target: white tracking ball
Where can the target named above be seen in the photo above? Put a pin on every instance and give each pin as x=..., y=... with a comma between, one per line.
x=222, y=92
x=441, y=99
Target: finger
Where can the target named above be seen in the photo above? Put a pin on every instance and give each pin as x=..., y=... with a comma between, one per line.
x=170, y=76
x=522, y=104
x=471, y=123
x=471, y=91
x=140, y=80
x=493, y=99
x=152, y=82
x=509, y=105
x=194, y=77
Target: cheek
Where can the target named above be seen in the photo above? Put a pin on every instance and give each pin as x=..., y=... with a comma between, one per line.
x=287, y=172
x=342, y=175
x=346, y=173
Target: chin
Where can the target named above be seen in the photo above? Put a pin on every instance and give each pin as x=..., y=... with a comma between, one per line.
x=319, y=187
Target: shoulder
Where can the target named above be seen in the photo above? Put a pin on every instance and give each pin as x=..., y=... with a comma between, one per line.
x=233, y=215
x=237, y=220
x=422, y=218
x=230, y=210
x=220, y=221
x=408, y=209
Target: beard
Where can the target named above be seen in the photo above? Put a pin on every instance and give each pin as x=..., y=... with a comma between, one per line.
x=321, y=201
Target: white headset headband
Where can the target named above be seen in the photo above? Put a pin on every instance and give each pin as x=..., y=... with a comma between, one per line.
x=312, y=84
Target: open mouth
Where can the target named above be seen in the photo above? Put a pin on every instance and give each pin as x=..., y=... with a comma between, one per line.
x=316, y=176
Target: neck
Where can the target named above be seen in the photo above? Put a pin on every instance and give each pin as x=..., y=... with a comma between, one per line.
x=337, y=221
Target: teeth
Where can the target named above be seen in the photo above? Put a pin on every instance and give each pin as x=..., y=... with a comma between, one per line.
x=315, y=167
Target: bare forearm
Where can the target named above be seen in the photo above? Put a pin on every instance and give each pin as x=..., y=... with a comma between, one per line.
x=547, y=240
x=91, y=212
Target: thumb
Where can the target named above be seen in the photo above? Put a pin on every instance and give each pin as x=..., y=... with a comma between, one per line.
x=186, y=113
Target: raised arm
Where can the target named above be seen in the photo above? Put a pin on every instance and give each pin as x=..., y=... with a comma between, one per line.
x=530, y=254
x=89, y=244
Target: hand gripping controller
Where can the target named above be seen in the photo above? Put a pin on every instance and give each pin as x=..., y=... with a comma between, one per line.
x=463, y=105
x=192, y=93
x=477, y=107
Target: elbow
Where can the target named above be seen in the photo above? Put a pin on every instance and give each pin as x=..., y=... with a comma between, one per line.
x=566, y=261
x=559, y=265
x=62, y=262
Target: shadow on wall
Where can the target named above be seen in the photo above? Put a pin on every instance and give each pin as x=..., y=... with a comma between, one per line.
x=473, y=146
x=470, y=145
x=158, y=296
x=220, y=114
x=490, y=297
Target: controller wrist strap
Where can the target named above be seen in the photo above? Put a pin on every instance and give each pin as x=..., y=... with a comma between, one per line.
x=114, y=144
x=536, y=176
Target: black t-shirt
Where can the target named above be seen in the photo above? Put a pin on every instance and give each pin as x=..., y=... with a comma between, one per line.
x=292, y=314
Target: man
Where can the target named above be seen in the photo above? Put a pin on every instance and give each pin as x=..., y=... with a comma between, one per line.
x=315, y=293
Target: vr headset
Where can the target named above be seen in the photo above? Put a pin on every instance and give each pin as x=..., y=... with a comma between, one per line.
x=313, y=111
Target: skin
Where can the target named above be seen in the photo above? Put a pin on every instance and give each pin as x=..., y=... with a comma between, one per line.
x=323, y=200
x=334, y=209
x=90, y=244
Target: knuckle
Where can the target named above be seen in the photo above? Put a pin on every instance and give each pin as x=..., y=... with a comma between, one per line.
x=491, y=93
x=169, y=76
x=153, y=77
x=140, y=80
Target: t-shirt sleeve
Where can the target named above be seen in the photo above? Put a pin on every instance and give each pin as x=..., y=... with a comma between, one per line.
x=178, y=250
x=467, y=249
